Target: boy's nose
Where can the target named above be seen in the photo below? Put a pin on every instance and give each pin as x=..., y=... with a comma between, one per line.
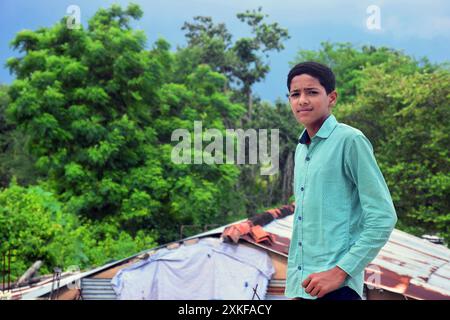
x=302, y=100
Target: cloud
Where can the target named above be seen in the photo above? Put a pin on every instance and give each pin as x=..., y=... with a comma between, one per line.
x=423, y=27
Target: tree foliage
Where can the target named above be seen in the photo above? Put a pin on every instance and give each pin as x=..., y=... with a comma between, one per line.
x=35, y=226
x=99, y=109
x=242, y=61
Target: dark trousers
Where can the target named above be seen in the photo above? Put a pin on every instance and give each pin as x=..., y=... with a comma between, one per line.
x=344, y=293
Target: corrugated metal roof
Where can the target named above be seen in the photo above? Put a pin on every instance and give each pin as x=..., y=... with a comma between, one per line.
x=97, y=289
x=406, y=265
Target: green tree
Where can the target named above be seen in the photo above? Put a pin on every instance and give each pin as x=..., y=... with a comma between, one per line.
x=81, y=96
x=5, y=137
x=242, y=61
x=405, y=117
x=15, y=161
x=100, y=109
x=35, y=226
x=30, y=219
x=199, y=194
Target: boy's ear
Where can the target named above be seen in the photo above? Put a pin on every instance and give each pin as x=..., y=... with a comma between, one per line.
x=332, y=98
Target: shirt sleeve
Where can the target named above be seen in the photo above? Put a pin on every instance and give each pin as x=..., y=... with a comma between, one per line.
x=379, y=217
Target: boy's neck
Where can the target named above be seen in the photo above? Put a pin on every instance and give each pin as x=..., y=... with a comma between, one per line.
x=315, y=127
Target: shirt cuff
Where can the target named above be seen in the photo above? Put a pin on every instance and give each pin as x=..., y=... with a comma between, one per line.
x=350, y=265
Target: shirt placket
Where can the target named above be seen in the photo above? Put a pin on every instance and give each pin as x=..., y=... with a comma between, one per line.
x=307, y=160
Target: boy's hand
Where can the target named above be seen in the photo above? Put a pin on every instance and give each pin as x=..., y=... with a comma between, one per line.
x=321, y=283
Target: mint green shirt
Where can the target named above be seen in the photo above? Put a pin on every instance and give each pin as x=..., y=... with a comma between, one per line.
x=343, y=209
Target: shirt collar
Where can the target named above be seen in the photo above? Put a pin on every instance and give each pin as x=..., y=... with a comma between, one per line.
x=324, y=132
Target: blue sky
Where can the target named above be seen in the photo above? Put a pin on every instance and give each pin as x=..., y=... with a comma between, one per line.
x=419, y=28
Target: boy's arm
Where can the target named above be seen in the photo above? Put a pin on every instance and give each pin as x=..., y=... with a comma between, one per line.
x=379, y=217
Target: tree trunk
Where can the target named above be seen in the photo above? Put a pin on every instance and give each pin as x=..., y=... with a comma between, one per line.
x=250, y=104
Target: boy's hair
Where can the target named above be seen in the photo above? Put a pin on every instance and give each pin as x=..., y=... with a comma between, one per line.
x=317, y=70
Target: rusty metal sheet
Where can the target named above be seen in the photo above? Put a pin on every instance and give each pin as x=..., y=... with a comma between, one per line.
x=407, y=265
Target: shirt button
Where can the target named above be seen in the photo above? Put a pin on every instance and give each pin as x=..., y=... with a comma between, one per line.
x=301, y=189
x=308, y=158
x=299, y=218
x=300, y=243
x=299, y=267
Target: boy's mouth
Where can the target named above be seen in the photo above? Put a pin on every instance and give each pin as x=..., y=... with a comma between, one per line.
x=304, y=110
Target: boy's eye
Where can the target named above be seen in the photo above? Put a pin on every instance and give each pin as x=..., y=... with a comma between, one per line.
x=313, y=92
x=294, y=94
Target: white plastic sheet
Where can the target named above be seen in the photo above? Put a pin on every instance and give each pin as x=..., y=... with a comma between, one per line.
x=209, y=269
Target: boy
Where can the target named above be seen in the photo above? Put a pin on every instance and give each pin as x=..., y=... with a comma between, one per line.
x=344, y=212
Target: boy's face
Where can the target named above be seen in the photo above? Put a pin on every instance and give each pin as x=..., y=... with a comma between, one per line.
x=309, y=101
